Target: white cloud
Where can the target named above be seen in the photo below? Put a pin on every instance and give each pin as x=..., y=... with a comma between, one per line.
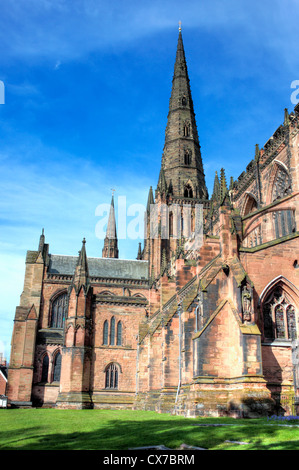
x=41, y=28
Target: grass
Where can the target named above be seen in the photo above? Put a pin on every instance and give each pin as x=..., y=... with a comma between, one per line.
x=50, y=429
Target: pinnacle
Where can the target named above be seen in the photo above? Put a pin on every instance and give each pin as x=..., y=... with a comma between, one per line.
x=81, y=274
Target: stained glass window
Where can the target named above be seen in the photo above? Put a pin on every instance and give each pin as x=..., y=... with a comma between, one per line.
x=111, y=376
x=45, y=368
x=59, y=311
x=57, y=368
x=279, y=316
x=119, y=334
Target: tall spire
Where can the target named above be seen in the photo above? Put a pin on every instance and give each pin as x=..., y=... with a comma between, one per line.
x=110, y=249
x=181, y=160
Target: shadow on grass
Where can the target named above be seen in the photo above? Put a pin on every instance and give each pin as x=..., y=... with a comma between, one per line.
x=125, y=434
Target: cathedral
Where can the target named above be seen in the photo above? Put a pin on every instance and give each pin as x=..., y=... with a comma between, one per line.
x=204, y=322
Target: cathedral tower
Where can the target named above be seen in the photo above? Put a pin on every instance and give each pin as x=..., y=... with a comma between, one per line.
x=182, y=172
x=181, y=182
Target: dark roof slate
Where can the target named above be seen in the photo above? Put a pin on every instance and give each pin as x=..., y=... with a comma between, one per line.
x=100, y=267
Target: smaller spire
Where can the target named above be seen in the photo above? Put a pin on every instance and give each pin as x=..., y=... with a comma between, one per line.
x=150, y=200
x=110, y=249
x=162, y=185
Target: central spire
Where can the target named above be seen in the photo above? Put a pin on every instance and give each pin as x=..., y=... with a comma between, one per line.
x=181, y=161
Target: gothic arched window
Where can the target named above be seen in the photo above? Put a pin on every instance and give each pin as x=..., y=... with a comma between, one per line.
x=186, y=129
x=250, y=205
x=119, y=334
x=188, y=192
x=281, y=187
x=279, y=316
x=45, y=368
x=187, y=157
x=105, y=332
x=59, y=311
x=112, y=331
x=57, y=368
x=111, y=376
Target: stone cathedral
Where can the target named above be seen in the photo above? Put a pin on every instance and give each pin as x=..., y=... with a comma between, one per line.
x=207, y=329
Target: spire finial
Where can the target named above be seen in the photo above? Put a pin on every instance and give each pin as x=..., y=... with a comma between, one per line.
x=180, y=26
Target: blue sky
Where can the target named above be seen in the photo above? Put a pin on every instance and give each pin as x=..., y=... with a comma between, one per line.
x=87, y=87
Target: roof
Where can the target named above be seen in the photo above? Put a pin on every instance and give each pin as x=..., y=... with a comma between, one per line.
x=100, y=267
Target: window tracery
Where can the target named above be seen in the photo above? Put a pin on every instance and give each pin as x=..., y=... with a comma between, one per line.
x=111, y=376
x=279, y=316
x=59, y=311
x=281, y=187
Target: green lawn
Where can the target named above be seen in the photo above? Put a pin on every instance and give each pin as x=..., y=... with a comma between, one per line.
x=50, y=429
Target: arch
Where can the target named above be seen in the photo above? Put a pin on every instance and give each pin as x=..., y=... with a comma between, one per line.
x=45, y=368
x=112, y=376
x=105, y=332
x=250, y=204
x=279, y=182
x=57, y=366
x=187, y=157
x=112, y=331
x=283, y=165
x=292, y=290
x=188, y=191
x=140, y=296
x=58, y=309
x=279, y=302
x=107, y=292
x=186, y=129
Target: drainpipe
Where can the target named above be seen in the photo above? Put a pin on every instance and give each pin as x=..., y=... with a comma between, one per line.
x=180, y=352
x=137, y=363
